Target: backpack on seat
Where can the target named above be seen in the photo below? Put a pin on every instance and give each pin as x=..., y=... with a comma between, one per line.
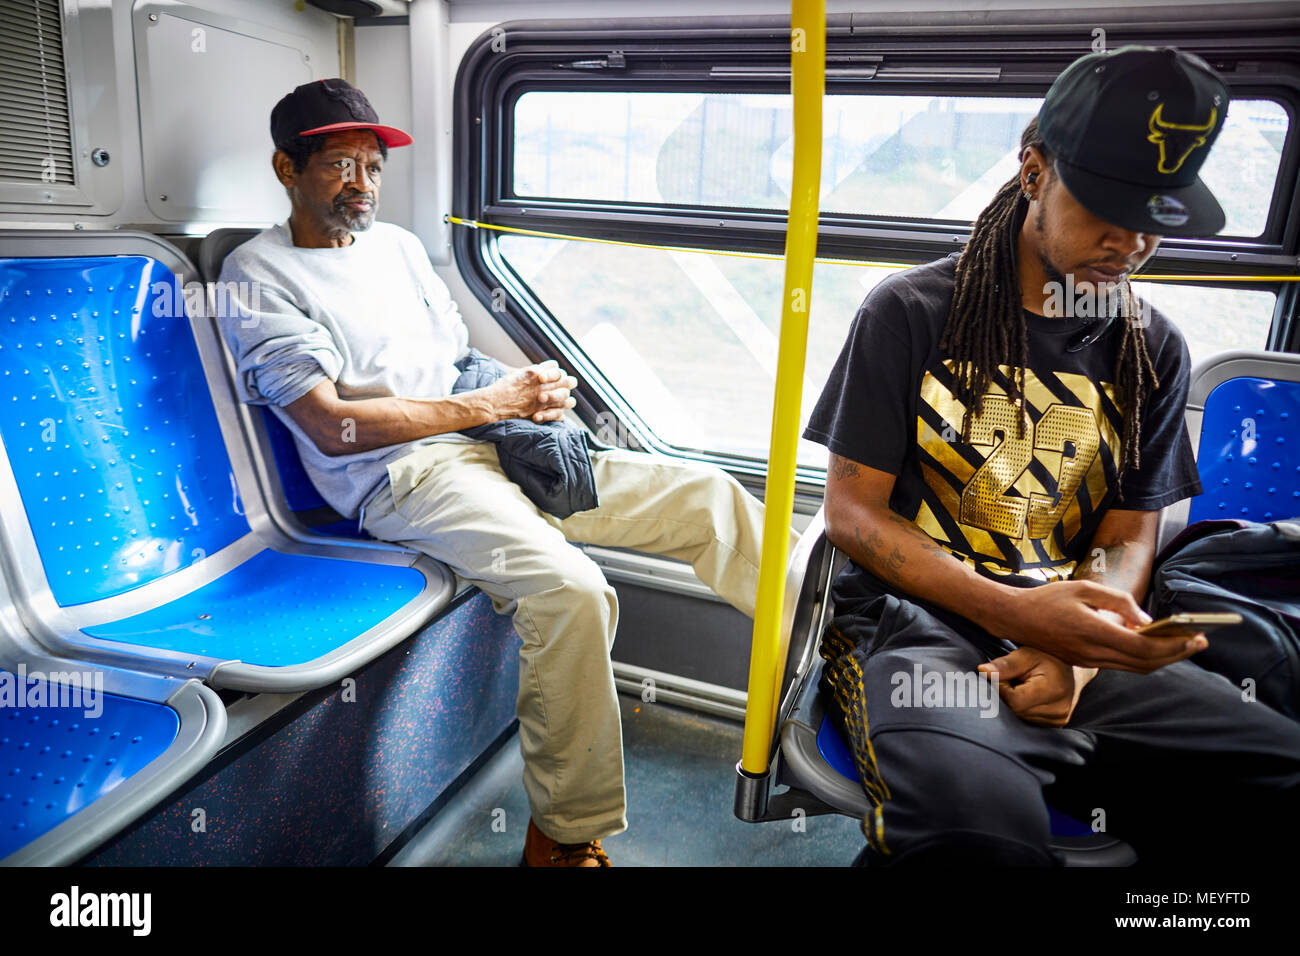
x=1252, y=569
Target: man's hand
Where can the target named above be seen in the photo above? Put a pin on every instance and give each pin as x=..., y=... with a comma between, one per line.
x=1089, y=625
x=538, y=392
x=1038, y=687
x=339, y=426
x=1082, y=622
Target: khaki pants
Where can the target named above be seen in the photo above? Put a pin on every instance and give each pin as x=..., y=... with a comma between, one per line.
x=452, y=502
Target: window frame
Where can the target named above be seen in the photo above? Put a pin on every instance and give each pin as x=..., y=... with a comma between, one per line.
x=1014, y=53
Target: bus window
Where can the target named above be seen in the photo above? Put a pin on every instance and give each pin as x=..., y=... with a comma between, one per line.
x=907, y=157
x=1213, y=319
x=675, y=322
x=690, y=338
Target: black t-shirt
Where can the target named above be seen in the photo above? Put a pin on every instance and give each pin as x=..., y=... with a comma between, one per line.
x=1020, y=510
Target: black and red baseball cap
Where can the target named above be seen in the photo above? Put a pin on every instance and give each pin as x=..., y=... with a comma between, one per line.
x=328, y=106
x=1130, y=130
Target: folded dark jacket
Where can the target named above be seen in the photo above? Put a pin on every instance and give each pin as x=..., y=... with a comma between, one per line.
x=549, y=461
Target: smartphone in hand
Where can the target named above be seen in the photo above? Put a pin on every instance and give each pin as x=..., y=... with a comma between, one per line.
x=1187, y=625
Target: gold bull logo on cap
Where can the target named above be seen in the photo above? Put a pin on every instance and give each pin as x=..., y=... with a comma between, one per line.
x=1181, y=137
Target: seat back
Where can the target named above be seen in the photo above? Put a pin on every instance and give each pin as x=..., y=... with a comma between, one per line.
x=216, y=245
x=299, y=495
x=1248, y=447
x=107, y=422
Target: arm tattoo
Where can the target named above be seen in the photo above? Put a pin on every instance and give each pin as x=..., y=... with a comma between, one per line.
x=923, y=539
x=896, y=562
x=1109, y=565
x=890, y=566
x=844, y=467
x=873, y=546
x=871, y=543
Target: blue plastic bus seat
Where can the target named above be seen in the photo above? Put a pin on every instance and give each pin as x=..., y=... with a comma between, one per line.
x=1243, y=415
x=808, y=754
x=299, y=492
x=75, y=767
x=136, y=521
x=301, y=498
x=1248, y=451
x=836, y=753
x=274, y=609
x=107, y=424
x=55, y=761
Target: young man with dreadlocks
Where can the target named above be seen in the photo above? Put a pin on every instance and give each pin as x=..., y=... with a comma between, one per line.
x=996, y=476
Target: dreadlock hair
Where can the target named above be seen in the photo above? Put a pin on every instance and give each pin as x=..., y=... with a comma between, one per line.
x=986, y=324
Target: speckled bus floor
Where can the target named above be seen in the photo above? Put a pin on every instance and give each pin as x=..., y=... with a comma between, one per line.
x=680, y=785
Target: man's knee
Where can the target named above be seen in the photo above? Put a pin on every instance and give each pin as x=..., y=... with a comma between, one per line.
x=711, y=498
x=952, y=801
x=588, y=593
x=575, y=593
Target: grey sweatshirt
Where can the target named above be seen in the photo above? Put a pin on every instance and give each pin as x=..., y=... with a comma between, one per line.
x=372, y=317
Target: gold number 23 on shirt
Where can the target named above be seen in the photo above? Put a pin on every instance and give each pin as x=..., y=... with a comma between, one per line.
x=1067, y=430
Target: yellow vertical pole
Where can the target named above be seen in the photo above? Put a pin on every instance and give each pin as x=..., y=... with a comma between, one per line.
x=808, y=81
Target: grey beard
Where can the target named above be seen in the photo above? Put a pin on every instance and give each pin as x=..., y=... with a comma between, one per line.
x=355, y=221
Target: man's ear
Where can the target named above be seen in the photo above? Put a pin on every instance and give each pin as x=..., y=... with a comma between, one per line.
x=283, y=167
x=1034, y=163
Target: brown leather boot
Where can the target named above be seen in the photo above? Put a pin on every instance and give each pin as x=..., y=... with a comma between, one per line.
x=541, y=850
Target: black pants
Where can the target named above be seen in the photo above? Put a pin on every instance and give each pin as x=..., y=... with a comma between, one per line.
x=1176, y=762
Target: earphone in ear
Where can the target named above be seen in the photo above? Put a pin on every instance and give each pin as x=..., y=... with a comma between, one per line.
x=1029, y=181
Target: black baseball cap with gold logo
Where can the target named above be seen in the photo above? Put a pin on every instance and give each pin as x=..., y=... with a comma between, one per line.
x=1130, y=130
